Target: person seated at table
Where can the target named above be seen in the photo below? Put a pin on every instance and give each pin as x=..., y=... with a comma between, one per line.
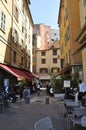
x=69, y=95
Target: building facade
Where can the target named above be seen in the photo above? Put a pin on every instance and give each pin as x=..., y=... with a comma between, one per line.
x=81, y=36
x=16, y=26
x=44, y=32
x=69, y=24
x=48, y=61
x=54, y=35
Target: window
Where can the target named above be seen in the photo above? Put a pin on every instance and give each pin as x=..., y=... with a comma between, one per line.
x=3, y=21
x=54, y=33
x=29, y=38
x=84, y=2
x=43, y=70
x=85, y=19
x=43, y=61
x=22, y=45
x=54, y=70
x=16, y=14
x=14, y=56
x=54, y=60
x=15, y=36
x=54, y=52
x=66, y=13
x=52, y=39
x=21, y=60
x=22, y=7
x=22, y=26
x=43, y=53
x=6, y=1
x=26, y=34
x=67, y=35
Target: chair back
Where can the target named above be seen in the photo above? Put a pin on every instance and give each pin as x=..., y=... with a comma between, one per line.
x=83, y=121
x=44, y=124
x=79, y=111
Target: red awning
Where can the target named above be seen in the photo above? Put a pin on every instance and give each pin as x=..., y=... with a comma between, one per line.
x=35, y=76
x=30, y=74
x=15, y=71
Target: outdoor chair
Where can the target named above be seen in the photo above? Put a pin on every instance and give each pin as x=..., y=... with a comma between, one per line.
x=44, y=124
x=83, y=121
x=77, y=116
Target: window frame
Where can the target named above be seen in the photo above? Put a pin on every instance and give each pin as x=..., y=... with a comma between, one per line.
x=43, y=61
x=3, y=21
x=54, y=60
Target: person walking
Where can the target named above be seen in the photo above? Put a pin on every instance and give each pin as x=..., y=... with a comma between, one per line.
x=38, y=89
x=26, y=94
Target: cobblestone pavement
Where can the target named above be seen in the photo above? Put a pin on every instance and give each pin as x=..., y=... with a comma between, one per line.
x=21, y=116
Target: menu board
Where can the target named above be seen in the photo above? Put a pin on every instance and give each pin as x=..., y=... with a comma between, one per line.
x=66, y=83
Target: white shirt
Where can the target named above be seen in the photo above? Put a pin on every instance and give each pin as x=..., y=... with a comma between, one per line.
x=76, y=96
x=82, y=87
x=51, y=90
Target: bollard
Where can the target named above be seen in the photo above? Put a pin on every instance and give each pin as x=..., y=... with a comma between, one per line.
x=47, y=100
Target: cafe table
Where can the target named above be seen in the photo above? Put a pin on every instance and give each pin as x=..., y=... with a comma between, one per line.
x=78, y=127
x=70, y=105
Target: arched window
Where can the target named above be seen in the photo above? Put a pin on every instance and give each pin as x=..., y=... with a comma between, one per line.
x=43, y=70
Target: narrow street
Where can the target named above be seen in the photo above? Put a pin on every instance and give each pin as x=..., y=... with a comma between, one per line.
x=21, y=116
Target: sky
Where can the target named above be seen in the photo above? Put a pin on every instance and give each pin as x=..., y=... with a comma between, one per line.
x=45, y=11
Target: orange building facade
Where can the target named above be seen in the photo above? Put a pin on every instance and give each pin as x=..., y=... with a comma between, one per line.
x=69, y=24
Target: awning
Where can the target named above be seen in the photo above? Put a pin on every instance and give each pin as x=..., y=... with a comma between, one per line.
x=19, y=74
x=30, y=74
x=35, y=76
x=80, y=49
x=67, y=69
x=63, y=71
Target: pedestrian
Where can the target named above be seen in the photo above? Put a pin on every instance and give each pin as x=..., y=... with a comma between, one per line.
x=82, y=89
x=51, y=92
x=38, y=89
x=26, y=94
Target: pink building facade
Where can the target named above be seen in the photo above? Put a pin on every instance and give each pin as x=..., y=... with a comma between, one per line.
x=45, y=34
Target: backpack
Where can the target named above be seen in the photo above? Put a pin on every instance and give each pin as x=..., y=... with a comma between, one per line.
x=26, y=93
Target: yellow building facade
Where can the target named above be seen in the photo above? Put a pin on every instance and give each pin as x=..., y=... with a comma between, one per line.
x=81, y=36
x=69, y=23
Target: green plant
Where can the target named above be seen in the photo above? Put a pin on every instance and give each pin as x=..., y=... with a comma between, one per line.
x=21, y=84
x=58, y=88
x=57, y=84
